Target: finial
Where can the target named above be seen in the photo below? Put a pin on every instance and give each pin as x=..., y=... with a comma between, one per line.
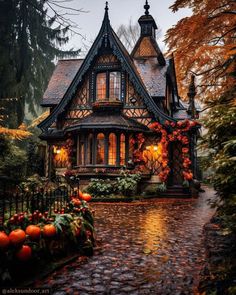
x=192, y=88
x=146, y=7
x=106, y=7
x=191, y=94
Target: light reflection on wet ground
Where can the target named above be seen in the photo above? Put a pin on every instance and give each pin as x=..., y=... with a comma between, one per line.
x=151, y=247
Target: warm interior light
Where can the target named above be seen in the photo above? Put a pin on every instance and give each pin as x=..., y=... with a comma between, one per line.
x=60, y=156
x=153, y=156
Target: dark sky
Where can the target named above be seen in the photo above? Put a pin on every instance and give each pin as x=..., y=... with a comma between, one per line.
x=120, y=12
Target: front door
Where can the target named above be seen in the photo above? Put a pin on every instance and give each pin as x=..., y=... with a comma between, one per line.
x=176, y=176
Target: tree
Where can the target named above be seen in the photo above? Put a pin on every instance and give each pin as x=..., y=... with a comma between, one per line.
x=129, y=34
x=30, y=42
x=204, y=43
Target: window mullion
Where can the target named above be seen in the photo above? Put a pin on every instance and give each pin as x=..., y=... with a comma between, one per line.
x=107, y=85
x=106, y=147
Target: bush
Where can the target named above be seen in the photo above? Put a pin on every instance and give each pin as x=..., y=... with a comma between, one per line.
x=12, y=160
x=100, y=187
x=127, y=183
x=161, y=187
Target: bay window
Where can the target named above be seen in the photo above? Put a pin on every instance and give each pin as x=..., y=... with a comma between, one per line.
x=102, y=149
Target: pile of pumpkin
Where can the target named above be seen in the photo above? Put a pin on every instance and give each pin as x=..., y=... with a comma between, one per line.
x=17, y=238
x=23, y=229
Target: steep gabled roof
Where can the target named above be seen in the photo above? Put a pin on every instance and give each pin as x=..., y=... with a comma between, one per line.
x=109, y=37
x=61, y=79
x=153, y=76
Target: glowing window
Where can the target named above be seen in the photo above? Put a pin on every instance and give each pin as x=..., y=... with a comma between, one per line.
x=90, y=149
x=101, y=86
x=60, y=157
x=112, y=149
x=110, y=88
x=122, y=149
x=100, y=157
x=114, y=85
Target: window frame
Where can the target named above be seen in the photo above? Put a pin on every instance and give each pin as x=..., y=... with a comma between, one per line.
x=121, y=84
x=82, y=160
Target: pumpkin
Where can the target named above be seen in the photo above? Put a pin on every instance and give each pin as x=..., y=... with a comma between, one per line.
x=49, y=230
x=80, y=194
x=33, y=231
x=86, y=197
x=24, y=253
x=17, y=236
x=76, y=202
x=4, y=240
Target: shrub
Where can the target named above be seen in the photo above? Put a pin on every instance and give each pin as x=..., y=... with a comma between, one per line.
x=100, y=187
x=161, y=187
x=127, y=183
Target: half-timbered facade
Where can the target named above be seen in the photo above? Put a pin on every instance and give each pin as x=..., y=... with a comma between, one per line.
x=102, y=108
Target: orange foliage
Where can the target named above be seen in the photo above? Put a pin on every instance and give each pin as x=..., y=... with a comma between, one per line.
x=14, y=133
x=204, y=43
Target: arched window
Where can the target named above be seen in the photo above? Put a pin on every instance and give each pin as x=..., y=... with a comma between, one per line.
x=122, y=149
x=112, y=149
x=100, y=156
x=90, y=149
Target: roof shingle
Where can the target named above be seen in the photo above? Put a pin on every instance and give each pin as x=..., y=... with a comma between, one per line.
x=153, y=75
x=60, y=81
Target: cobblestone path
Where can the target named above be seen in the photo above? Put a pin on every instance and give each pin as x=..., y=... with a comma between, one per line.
x=151, y=247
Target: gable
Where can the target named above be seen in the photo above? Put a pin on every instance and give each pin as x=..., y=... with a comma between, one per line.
x=145, y=49
x=105, y=39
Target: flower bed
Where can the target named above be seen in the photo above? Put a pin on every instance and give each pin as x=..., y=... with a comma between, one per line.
x=29, y=241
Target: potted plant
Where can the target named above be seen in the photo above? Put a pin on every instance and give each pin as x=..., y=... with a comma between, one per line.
x=186, y=186
x=161, y=187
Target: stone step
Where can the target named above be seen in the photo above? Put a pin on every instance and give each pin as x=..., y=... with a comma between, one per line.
x=176, y=192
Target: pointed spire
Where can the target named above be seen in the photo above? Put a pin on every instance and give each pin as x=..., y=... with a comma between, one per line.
x=106, y=7
x=106, y=17
x=146, y=7
x=191, y=94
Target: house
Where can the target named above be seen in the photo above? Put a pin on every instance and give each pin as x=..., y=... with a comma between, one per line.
x=113, y=109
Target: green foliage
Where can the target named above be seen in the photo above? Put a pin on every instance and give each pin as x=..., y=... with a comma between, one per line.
x=35, y=162
x=30, y=42
x=221, y=143
x=127, y=183
x=12, y=160
x=186, y=184
x=100, y=187
x=161, y=187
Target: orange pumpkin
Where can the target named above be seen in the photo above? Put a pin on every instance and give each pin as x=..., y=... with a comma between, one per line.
x=49, y=230
x=80, y=194
x=4, y=240
x=86, y=197
x=76, y=202
x=24, y=253
x=17, y=236
x=33, y=231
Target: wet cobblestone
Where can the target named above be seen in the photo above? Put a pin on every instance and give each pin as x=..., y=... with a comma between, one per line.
x=151, y=247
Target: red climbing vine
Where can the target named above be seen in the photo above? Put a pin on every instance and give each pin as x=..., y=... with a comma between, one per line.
x=170, y=132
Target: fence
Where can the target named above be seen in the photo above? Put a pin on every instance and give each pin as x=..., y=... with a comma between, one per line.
x=44, y=201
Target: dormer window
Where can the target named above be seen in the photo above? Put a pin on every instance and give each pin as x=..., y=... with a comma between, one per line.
x=108, y=85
